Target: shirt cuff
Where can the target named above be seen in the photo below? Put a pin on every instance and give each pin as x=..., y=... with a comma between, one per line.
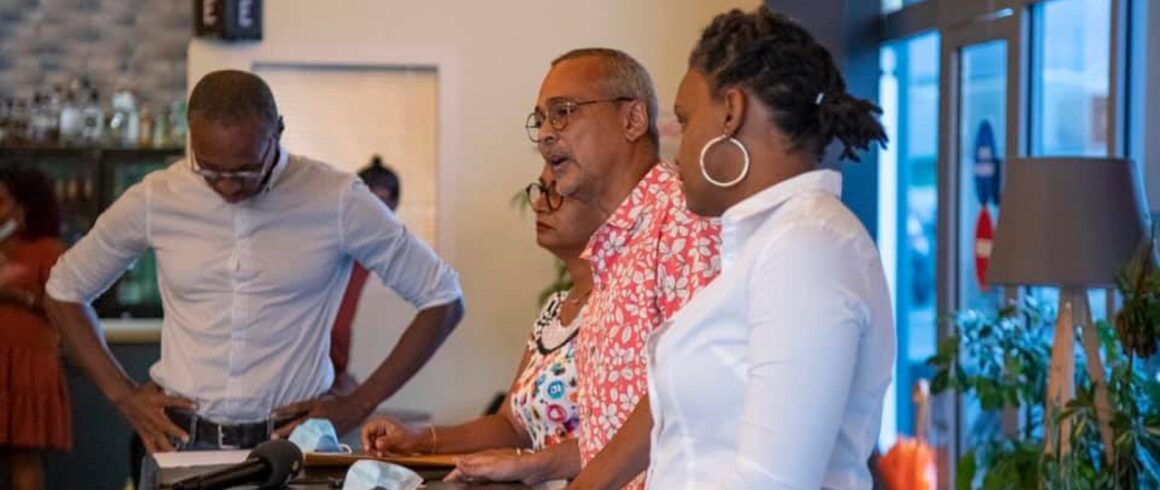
x=441, y=300
x=56, y=289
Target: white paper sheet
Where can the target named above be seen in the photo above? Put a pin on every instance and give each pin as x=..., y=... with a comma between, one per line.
x=199, y=458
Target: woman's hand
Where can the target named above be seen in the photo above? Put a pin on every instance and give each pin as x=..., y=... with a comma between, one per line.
x=500, y=465
x=389, y=435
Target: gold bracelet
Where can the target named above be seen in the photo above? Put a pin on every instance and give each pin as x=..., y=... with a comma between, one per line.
x=434, y=440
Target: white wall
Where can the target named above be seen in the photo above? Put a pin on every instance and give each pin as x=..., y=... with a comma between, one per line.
x=491, y=57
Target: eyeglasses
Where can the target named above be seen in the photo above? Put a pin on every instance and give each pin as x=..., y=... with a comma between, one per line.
x=559, y=113
x=235, y=175
x=536, y=191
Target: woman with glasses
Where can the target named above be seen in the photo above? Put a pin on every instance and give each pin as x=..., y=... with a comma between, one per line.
x=540, y=410
x=774, y=375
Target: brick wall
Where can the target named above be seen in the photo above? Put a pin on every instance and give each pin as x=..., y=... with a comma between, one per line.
x=136, y=43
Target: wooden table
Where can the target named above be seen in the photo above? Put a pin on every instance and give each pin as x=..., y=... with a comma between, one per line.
x=317, y=478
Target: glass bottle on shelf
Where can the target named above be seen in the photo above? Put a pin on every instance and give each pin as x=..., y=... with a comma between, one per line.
x=73, y=189
x=5, y=112
x=58, y=188
x=55, y=103
x=145, y=132
x=92, y=120
x=71, y=122
x=161, y=130
x=18, y=126
x=39, y=121
x=125, y=126
x=177, y=123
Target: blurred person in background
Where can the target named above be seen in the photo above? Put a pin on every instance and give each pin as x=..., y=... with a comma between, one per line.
x=383, y=182
x=34, y=402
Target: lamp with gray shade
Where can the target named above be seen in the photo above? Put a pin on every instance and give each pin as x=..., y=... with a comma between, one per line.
x=1070, y=223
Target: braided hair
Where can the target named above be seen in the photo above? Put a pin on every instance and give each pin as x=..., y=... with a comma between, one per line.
x=779, y=62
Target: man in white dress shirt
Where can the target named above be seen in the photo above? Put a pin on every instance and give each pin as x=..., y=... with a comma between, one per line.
x=254, y=247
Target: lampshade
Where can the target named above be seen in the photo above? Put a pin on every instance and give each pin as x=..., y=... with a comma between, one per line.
x=1066, y=222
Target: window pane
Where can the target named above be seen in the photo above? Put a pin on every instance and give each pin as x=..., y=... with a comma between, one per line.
x=982, y=138
x=982, y=144
x=1070, y=91
x=1070, y=42
x=908, y=203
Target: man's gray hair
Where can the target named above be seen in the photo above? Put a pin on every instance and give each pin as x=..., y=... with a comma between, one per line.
x=624, y=76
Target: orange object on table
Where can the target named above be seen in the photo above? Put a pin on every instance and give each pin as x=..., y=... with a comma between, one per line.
x=911, y=464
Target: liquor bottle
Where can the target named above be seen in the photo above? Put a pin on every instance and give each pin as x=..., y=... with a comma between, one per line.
x=5, y=113
x=39, y=121
x=71, y=122
x=125, y=125
x=177, y=123
x=145, y=133
x=93, y=120
x=161, y=130
x=55, y=102
x=18, y=126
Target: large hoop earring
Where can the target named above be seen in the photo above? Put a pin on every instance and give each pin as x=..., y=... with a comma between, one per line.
x=744, y=167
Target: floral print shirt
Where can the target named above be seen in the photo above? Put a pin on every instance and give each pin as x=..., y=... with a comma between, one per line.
x=647, y=261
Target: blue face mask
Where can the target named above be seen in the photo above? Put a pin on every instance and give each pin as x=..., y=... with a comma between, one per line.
x=376, y=475
x=317, y=436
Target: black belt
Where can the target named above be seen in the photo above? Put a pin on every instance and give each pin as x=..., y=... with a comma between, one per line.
x=224, y=436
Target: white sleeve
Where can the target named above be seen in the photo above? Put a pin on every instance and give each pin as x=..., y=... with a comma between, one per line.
x=119, y=237
x=378, y=240
x=805, y=321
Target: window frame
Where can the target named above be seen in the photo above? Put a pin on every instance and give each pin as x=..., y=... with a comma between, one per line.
x=965, y=22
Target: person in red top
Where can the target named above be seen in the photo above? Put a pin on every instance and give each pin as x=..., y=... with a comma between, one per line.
x=34, y=403
x=384, y=183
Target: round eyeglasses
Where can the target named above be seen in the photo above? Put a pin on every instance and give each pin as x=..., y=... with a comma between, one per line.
x=559, y=113
x=537, y=191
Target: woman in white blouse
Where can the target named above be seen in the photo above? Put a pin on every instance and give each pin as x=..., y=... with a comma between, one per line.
x=774, y=375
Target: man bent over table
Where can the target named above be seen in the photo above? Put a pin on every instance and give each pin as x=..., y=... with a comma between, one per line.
x=254, y=247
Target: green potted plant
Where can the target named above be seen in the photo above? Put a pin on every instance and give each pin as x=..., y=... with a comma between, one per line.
x=1001, y=362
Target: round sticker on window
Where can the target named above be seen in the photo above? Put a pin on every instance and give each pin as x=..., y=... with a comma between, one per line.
x=984, y=234
x=988, y=168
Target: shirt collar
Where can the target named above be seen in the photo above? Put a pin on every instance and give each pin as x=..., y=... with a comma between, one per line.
x=828, y=181
x=279, y=168
x=630, y=210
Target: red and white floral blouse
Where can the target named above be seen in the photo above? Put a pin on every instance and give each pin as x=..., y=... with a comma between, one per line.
x=647, y=261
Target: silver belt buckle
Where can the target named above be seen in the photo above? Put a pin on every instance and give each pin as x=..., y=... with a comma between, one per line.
x=221, y=439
